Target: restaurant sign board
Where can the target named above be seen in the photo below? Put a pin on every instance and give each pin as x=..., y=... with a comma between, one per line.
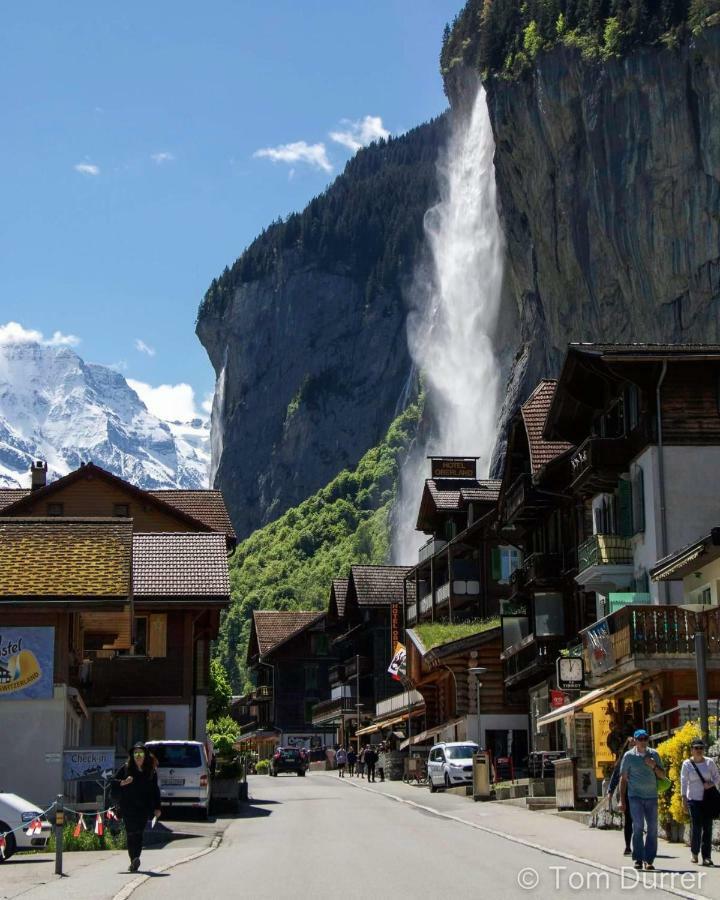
x=27, y=656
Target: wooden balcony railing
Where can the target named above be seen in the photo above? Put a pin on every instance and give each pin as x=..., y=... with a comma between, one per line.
x=538, y=568
x=530, y=656
x=364, y=663
x=516, y=496
x=663, y=632
x=598, y=462
x=430, y=548
x=336, y=674
x=334, y=710
x=412, y=614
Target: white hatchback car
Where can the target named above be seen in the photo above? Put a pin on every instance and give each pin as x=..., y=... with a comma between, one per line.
x=451, y=764
x=16, y=813
x=183, y=774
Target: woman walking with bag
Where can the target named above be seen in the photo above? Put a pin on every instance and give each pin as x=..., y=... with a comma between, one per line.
x=135, y=789
x=699, y=780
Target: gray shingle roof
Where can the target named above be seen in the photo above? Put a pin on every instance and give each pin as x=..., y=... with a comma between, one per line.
x=378, y=585
x=181, y=564
x=273, y=627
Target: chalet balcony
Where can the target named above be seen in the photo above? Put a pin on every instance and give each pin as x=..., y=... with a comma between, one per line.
x=357, y=665
x=425, y=604
x=597, y=463
x=605, y=563
x=126, y=678
x=647, y=638
x=532, y=657
x=538, y=569
x=412, y=614
x=523, y=501
x=336, y=674
x=430, y=548
x=335, y=710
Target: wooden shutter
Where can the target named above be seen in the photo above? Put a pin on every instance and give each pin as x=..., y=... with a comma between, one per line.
x=625, y=505
x=102, y=729
x=157, y=635
x=495, y=564
x=156, y=726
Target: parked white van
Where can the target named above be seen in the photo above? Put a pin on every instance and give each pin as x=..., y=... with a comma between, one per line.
x=16, y=813
x=183, y=774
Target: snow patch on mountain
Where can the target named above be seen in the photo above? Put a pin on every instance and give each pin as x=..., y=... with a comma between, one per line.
x=56, y=407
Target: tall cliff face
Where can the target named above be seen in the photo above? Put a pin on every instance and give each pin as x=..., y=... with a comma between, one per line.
x=306, y=332
x=608, y=178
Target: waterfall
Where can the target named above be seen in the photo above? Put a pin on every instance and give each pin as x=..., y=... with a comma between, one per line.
x=452, y=321
x=217, y=436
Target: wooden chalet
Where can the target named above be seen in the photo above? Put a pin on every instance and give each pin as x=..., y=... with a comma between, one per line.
x=120, y=591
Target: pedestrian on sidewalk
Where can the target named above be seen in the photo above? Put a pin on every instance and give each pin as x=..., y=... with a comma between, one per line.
x=370, y=760
x=135, y=789
x=351, y=760
x=698, y=775
x=340, y=760
x=639, y=771
x=612, y=787
x=361, y=763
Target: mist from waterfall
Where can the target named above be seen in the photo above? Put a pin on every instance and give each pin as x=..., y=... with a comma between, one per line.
x=452, y=322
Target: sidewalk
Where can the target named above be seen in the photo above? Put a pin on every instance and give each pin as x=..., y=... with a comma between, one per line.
x=566, y=840
x=97, y=874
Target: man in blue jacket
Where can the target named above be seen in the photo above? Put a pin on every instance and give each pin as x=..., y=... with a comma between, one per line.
x=639, y=771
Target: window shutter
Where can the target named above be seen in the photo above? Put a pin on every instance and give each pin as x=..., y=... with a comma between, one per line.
x=638, y=500
x=495, y=564
x=157, y=639
x=625, y=505
x=156, y=726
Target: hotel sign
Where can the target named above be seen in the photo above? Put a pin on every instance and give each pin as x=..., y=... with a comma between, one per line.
x=27, y=656
x=453, y=467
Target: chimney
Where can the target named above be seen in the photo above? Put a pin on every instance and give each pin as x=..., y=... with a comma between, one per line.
x=38, y=474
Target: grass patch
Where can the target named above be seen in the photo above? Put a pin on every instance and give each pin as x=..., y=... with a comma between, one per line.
x=88, y=840
x=435, y=634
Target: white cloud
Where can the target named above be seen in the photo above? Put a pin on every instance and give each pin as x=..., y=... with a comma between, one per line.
x=160, y=158
x=14, y=333
x=207, y=403
x=170, y=402
x=142, y=347
x=87, y=169
x=314, y=155
x=360, y=133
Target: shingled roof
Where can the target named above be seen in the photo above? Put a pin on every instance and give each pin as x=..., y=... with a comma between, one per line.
x=274, y=627
x=65, y=557
x=180, y=564
x=338, y=595
x=10, y=495
x=534, y=413
x=378, y=585
x=206, y=506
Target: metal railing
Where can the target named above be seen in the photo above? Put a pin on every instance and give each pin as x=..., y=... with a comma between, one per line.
x=604, y=550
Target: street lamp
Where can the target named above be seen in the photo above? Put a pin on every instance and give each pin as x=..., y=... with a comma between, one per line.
x=478, y=671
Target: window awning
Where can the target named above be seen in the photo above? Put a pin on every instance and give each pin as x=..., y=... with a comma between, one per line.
x=431, y=733
x=591, y=697
x=387, y=723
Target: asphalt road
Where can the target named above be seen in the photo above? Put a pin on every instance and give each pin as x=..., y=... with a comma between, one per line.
x=322, y=838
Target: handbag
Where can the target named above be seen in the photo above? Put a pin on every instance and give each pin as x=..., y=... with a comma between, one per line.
x=711, y=799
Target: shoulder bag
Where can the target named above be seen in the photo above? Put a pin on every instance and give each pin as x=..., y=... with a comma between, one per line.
x=711, y=799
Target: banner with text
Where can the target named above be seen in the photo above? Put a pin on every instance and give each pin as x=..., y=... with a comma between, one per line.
x=27, y=656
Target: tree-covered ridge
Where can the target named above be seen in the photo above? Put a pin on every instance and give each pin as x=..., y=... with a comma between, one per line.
x=368, y=223
x=291, y=562
x=504, y=36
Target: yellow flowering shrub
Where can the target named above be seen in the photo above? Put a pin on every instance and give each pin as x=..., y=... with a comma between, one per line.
x=673, y=752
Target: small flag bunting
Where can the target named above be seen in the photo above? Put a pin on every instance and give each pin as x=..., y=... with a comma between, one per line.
x=81, y=826
x=35, y=827
x=2, y=846
x=99, y=825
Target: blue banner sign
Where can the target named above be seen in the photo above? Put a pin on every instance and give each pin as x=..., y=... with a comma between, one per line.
x=84, y=763
x=26, y=663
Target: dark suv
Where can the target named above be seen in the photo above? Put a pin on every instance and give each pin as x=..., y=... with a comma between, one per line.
x=289, y=759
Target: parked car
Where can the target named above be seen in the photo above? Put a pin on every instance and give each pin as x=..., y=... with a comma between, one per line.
x=450, y=764
x=289, y=759
x=183, y=774
x=18, y=813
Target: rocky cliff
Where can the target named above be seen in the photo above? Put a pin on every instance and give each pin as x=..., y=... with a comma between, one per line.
x=608, y=177
x=306, y=332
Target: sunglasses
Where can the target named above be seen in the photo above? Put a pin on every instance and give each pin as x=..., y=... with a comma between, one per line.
x=138, y=753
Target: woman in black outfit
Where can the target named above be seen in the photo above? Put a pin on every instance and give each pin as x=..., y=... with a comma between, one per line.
x=135, y=789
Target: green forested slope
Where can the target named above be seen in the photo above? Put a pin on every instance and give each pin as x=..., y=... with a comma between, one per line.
x=290, y=563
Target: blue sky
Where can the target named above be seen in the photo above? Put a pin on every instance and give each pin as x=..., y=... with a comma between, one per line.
x=129, y=151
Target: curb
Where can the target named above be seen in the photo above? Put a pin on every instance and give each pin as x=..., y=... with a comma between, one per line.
x=126, y=891
x=580, y=860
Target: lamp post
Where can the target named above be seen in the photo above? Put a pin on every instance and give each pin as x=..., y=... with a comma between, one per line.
x=478, y=671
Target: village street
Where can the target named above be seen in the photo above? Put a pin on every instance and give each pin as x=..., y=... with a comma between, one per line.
x=323, y=837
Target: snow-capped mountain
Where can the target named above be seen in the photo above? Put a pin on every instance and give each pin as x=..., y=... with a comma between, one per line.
x=56, y=407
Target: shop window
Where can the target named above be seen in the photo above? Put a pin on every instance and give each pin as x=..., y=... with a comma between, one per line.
x=56, y=509
x=504, y=561
x=549, y=615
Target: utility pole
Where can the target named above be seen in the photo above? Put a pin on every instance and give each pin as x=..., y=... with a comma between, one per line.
x=478, y=671
x=701, y=668
x=357, y=698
